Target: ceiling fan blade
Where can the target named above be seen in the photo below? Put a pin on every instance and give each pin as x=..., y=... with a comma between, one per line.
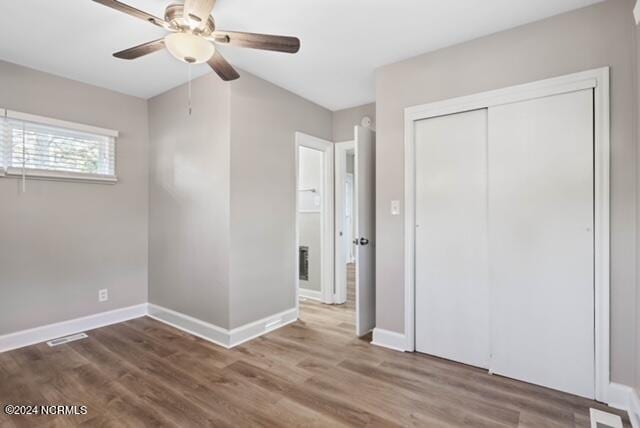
x=222, y=67
x=130, y=10
x=198, y=11
x=258, y=41
x=141, y=50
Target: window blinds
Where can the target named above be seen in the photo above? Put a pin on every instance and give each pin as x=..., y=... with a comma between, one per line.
x=47, y=148
x=3, y=114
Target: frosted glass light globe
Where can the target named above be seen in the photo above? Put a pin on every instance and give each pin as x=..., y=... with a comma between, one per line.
x=189, y=48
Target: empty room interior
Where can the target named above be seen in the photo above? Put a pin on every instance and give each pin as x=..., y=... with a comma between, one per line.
x=297, y=213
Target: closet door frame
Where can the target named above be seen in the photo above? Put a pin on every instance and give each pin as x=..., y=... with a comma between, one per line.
x=596, y=79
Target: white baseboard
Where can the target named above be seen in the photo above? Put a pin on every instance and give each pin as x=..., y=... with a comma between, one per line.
x=389, y=339
x=634, y=408
x=218, y=335
x=202, y=329
x=624, y=397
x=310, y=294
x=254, y=329
x=52, y=331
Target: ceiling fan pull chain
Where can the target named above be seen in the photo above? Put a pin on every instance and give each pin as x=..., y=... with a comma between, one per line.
x=189, y=85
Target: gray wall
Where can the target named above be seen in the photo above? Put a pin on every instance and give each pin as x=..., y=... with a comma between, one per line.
x=222, y=187
x=587, y=38
x=264, y=119
x=63, y=241
x=189, y=200
x=309, y=227
x=345, y=120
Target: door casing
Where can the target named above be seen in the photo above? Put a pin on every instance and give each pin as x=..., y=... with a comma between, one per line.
x=326, y=221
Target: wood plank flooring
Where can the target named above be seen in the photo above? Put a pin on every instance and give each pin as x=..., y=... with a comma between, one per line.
x=313, y=373
x=351, y=287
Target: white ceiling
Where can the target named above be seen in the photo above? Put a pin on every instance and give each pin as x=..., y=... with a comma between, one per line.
x=343, y=41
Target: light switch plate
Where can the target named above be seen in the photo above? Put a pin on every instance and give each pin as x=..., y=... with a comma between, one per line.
x=395, y=207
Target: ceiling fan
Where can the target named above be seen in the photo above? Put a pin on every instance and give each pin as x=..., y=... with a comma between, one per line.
x=193, y=36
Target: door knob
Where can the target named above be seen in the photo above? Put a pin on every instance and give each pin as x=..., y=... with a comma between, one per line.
x=364, y=241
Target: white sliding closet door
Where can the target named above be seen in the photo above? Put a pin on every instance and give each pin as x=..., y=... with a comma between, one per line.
x=541, y=241
x=452, y=296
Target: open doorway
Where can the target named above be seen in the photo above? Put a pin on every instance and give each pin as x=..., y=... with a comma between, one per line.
x=335, y=218
x=314, y=218
x=345, y=260
x=355, y=226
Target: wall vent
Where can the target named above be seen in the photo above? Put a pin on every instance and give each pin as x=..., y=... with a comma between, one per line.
x=67, y=339
x=303, y=260
x=600, y=419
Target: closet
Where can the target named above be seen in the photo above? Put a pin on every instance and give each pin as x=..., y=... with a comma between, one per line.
x=504, y=241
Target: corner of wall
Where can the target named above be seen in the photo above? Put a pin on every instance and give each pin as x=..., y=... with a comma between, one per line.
x=264, y=119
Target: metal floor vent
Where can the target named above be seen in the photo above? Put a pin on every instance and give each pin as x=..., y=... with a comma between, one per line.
x=67, y=339
x=600, y=419
x=303, y=260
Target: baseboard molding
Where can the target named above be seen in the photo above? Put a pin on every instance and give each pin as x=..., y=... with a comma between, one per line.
x=44, y=333
x=310, y=294
x=389, y=339
x=254, y=329
x=634, y=408
x=218, y=335
x=189, y=324
x=207, y=331
x=624, y=397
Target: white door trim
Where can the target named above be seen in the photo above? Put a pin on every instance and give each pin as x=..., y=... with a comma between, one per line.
x=598, y=79
x=326, y=216
x=341, y=150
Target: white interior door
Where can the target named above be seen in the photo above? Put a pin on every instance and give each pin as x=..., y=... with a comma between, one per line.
x=452, y=294
x=365, y=170
x=541, y=241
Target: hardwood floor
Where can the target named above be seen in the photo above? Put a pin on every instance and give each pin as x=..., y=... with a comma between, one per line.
x=351, y=287
x=312, y=373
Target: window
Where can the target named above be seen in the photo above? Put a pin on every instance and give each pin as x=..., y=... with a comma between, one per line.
x=35, y=146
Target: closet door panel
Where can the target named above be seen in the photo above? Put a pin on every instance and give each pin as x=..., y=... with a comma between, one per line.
x=541, y=241
x=452, y=296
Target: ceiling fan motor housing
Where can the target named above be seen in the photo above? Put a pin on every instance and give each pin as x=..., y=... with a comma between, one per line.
x=174, y=15
x=193, y=35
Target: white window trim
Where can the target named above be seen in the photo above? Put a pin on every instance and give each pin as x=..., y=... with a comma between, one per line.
x=27, y=117
x=44, y=174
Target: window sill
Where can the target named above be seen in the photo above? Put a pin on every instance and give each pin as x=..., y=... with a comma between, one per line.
x=37, y=174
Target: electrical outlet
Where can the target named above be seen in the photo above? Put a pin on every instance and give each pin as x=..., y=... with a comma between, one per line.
x=103, y=295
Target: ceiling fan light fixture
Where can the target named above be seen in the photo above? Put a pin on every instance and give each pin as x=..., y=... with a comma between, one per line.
x=189, y=48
